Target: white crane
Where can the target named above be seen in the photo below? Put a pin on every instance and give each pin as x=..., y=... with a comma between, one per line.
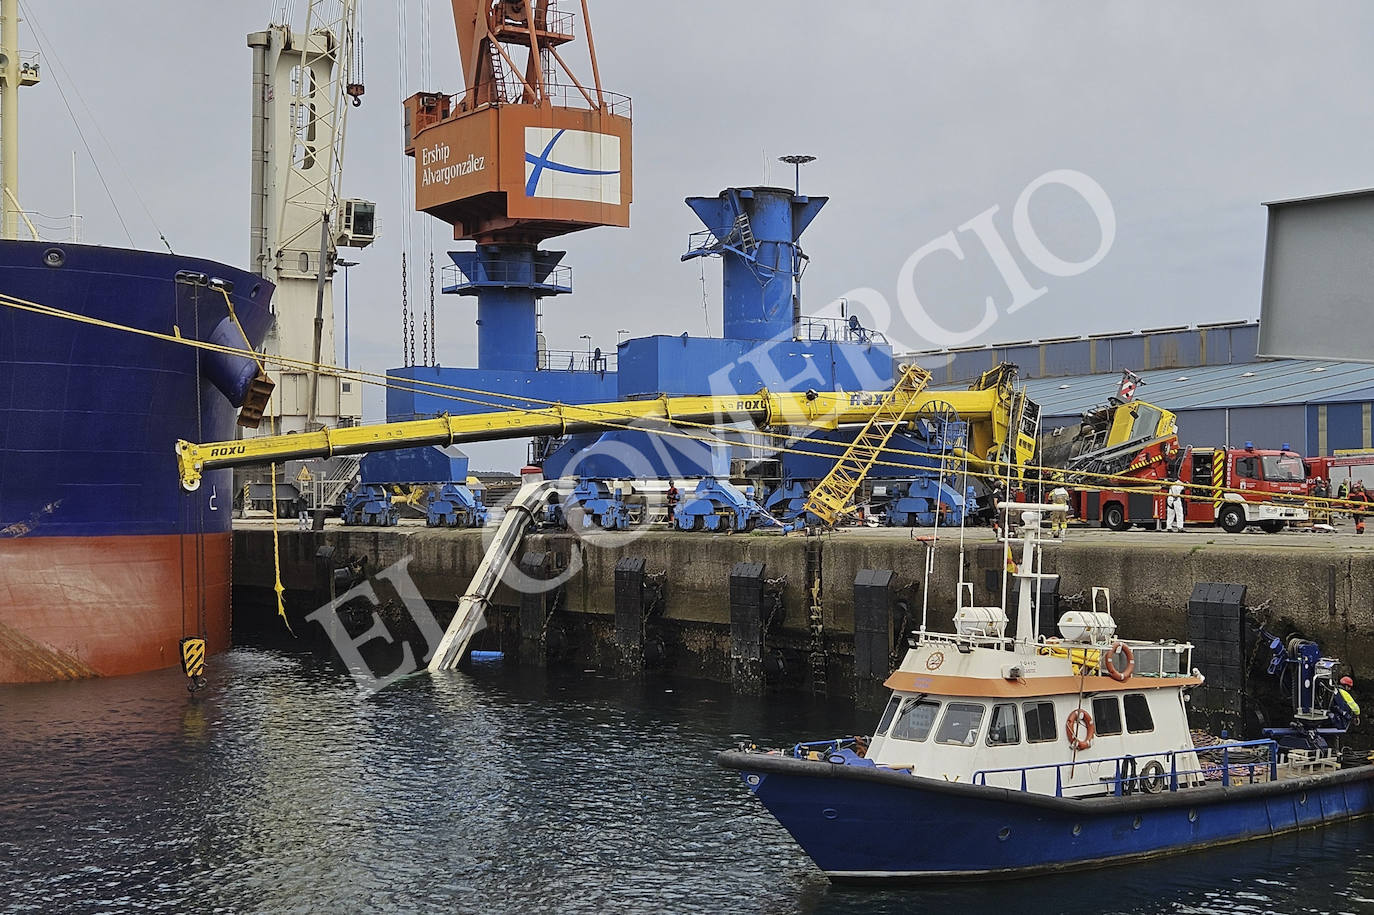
x=302, y=86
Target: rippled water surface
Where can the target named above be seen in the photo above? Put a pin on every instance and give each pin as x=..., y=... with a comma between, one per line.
x=494, y=790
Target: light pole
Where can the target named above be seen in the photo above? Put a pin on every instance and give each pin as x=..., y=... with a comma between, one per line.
x=345, y=265
x=797, y=162
x=588, y=338
x=620, y=336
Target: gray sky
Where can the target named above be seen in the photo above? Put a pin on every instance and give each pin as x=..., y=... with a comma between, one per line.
x=923, y=115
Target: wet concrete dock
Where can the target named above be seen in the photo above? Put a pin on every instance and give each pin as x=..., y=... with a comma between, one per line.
x=741, y=608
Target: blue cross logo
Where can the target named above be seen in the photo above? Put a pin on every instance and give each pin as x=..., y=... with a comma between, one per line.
x=542, y=161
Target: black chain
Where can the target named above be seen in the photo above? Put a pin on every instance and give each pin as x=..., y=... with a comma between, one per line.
x=424, y=322
x=407, y=325
x=433, y=334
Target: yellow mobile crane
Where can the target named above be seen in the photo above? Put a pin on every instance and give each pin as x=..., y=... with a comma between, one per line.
x=997, y=414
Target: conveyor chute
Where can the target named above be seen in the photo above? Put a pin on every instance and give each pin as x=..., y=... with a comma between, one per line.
x=470, y=617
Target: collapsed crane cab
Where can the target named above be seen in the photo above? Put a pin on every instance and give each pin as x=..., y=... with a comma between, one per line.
x=1125, y=452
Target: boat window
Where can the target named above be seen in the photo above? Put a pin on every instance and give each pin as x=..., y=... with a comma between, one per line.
x=1003, y=729
x=915, y=719
x=1040, y=723
x=888, y=714
x=961, y=723
x=1107, y=716
x=1138, y=718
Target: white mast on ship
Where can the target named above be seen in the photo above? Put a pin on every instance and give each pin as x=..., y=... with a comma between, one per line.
x=13, y=74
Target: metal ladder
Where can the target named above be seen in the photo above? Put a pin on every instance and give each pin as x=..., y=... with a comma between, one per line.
x=744, y=231
x=344, y=474
x=831, y=497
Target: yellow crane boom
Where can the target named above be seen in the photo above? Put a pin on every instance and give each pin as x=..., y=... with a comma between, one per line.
x=986, y=410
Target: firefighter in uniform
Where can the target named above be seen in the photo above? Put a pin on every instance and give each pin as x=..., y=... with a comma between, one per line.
x=1321, y=508
x=1059, y=519
x=672, y=501
x=1345, y=711
x=1357, y=511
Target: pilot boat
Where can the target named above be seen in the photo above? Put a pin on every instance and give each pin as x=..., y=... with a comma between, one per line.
x=1005, y=755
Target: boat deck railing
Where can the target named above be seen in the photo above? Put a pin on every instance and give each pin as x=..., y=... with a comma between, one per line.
x=964, y=641
x=823, y=749
x=1160, y=659
x=1241, y=762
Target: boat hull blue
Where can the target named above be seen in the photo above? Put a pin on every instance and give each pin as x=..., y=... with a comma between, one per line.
x=869, y=824
x=95, y=531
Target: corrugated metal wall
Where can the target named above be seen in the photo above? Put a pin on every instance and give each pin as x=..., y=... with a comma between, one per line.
x=1172, y=348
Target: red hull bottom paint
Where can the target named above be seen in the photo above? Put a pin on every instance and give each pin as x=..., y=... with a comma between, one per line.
x=73, y=607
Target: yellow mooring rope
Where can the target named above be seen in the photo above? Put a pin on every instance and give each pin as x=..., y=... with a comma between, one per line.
x=276, y=546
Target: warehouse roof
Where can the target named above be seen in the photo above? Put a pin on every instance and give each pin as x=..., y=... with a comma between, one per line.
x=1247, y=384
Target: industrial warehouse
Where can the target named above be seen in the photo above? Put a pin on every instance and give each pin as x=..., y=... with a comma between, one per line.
x=1209, y=375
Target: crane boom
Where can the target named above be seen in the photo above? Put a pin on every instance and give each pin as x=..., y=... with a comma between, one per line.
x=801, y=410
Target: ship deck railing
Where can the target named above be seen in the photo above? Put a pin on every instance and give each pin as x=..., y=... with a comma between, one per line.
x=1239, y=762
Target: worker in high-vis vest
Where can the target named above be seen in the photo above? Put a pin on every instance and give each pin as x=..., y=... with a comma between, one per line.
x=1345, y=711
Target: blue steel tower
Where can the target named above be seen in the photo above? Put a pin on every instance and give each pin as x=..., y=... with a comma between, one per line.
x=508, y=281
x=755, y=231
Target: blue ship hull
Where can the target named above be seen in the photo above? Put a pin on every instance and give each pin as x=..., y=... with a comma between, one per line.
x=103, y=558
x=862, y=824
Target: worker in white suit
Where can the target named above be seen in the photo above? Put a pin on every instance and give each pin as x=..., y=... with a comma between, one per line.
x=1174, y=516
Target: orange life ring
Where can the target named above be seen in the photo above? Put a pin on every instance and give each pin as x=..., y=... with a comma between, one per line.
x=1121, y=676
x=1071, y=729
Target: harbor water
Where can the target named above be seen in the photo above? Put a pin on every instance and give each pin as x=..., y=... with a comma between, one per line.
x=279, y=789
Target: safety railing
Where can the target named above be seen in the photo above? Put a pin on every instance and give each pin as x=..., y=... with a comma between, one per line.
x=566, y=360
x=707, y=240
x=510, y=90
x=1245, y=762
x=822, y=749
x=963, y=642
x=837, y=330
x=503, y=272
x=1159, y=660
x=550, y=20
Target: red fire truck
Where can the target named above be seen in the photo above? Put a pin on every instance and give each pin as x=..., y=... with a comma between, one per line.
x=1230, y=487
x=1348, y=467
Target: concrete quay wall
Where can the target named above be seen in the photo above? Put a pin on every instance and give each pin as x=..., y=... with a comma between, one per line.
x=1321, y=588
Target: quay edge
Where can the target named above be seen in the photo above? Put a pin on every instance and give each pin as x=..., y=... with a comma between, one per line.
x=1319, y=585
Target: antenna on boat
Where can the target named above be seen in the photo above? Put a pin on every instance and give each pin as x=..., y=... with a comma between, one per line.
x=1005, y=507
x=963, y=522
x=942, y=427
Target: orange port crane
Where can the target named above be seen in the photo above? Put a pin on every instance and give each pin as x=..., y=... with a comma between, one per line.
x=528, y=150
